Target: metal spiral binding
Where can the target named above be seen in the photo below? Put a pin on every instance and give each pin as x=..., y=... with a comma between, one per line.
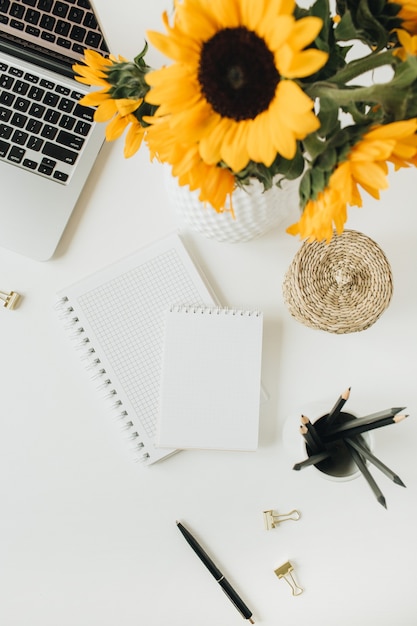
x=105, y=385
x=212, y=310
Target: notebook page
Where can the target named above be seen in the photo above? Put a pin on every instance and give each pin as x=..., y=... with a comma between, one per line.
x=211, y=377
x=118, y=315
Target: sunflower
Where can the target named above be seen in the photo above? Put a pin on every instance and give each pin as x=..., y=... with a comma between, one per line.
x=118, y=112
x=408, y=15
x=231, y=90
x=408, y=44
x=216, y=184
x=366, y=166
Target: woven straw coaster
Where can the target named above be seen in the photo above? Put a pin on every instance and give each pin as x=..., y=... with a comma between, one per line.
x=340, y=287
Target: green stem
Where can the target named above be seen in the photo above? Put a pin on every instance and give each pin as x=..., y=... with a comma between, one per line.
x=360, y=66
x=342, y=97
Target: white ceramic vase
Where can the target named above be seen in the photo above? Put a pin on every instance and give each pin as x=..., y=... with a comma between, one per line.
x=255, y=211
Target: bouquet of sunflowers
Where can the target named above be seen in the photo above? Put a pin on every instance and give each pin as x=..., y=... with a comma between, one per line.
x=268, y=90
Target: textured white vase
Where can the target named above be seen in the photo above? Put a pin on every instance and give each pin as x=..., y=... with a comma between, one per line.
x=255, y=211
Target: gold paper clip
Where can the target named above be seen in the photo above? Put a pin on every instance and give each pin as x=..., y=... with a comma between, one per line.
x=10, y=299
x=272, y=519
x=286, y=572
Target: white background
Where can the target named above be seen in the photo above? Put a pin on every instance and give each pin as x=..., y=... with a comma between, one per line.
x=88, y=538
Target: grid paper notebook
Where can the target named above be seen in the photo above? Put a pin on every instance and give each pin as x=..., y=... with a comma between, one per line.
x=116, y=317
x=211, y=379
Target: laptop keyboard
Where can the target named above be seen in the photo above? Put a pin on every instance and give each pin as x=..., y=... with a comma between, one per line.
x=66, y=26
x=42, y=125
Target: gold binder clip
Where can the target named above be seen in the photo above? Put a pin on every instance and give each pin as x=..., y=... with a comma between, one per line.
x=10, y=299
x=272, y=519
x=286, y=572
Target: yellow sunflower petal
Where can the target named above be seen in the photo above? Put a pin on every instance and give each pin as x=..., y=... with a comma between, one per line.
x=127, y=105
x=94, y=98
x=134, y=138
x=105, y=111
x=116, y=127
x=371, y=174
x=234, y=150
x=396, y=130
x=305, y=31
x=305, y=63
x=211, y=143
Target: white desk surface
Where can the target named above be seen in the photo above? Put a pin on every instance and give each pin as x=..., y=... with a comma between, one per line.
x=88, y=538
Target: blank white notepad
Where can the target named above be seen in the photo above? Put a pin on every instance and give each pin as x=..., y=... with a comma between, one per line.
x=211, y=379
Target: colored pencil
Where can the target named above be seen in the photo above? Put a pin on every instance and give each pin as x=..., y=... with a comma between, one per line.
x=334, y=413
x=358, y=426
x=313, y=432
x=364, y=450
x=315, y=449
x=367, y=475
x=312, y=460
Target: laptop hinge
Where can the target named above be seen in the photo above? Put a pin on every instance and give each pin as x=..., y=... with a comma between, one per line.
x=37, y=55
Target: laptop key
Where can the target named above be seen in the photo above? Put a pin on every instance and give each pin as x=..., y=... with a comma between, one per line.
x=16, y=154
x=60, y=9
x=5, y=114
x=31, y=165
x=86, y=113
x=35, y=143
x=37, y=110
x=21, y=104
x=18, y=120
x=45, y=5
x=19, y=137
x=36, y=93
x=82, y=128
x=61, y=176
x=59, y=153
x=47, y=22
x=70, y=140
x=32, y=30
x=7, y=98
x=21, y=87
x=17, y=10
x=33, y=126
x=78, y=33
x=4, y=5
x=51, y=116
x=4, y=148
x=32, y=16
x=66, y=122
x=5, y=131
x=76, y=15
x=17, y=25
x=48, y=131
x=50, y=99
x=15, y=71
x=64, y=43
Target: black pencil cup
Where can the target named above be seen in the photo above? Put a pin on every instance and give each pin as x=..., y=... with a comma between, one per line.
x=340, y=465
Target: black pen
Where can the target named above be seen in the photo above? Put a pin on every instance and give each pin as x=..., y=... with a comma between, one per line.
x=214, y=571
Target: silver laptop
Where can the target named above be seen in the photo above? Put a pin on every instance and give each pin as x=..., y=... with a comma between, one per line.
x=48, y=141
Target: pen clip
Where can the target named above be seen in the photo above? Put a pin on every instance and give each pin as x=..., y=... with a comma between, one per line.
x=272, y=519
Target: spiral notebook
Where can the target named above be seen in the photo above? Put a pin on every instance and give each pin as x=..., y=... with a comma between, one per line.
x=116, y=318
x=210, y=379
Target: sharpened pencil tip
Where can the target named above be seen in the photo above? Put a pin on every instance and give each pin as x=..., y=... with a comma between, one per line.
x=398, y=481
x=382, y=501
x=296, y=467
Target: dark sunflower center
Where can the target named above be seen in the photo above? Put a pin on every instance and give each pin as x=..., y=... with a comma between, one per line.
x=237, y=73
